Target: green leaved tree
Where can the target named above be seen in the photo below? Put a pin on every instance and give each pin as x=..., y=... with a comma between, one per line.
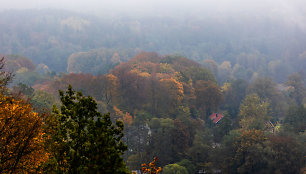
x=83, y=140
x=253, y=112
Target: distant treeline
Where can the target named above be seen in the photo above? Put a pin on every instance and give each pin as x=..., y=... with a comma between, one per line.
x=268, y=46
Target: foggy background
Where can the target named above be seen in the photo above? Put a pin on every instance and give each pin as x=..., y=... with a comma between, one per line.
x=198, y=29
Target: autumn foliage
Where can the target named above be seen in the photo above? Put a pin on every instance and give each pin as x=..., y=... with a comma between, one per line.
x=151, y=167
x=22, y=137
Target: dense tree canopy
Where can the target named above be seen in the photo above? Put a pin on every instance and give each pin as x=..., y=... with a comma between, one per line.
x=165, y=102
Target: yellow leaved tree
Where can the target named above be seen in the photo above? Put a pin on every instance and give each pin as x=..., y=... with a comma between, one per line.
x=21, y=137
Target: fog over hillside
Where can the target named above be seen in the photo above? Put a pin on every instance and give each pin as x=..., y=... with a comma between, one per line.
x=50, y=31
x=199, y=86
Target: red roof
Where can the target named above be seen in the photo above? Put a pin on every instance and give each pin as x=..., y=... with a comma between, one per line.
x=215, y=117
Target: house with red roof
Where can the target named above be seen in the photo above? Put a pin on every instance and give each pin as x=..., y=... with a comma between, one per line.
x=215, y=117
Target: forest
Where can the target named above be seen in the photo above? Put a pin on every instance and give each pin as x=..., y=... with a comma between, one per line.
x=83, y=94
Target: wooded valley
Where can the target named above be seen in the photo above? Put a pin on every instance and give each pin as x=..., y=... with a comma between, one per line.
x=82, y=94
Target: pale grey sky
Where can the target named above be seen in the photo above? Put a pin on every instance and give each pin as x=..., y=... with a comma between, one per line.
x=291, y=9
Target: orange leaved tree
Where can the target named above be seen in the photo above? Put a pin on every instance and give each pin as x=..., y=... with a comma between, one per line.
x=151, y=167
x=21, y=137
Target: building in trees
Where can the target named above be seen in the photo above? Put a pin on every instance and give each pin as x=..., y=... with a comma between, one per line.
x=215, y=117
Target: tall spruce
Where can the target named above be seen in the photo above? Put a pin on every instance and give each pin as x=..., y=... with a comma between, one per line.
x=84, y=140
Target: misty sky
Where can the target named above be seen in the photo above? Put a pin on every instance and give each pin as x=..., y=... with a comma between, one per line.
x=292, y=11
x=165, y=7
